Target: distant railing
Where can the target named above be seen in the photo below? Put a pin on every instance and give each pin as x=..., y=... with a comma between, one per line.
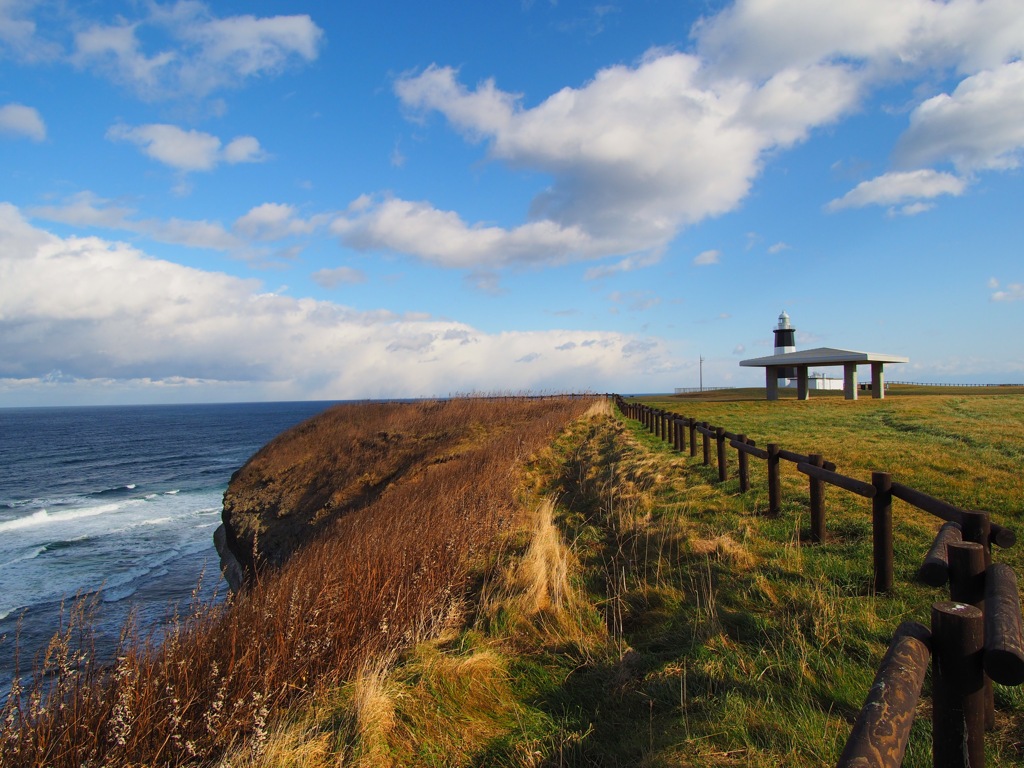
x=976, y=637
x=690, y=390
x=947, y=384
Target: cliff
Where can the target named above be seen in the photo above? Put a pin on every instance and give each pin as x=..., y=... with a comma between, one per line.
x=326, y=467
x=335, y=464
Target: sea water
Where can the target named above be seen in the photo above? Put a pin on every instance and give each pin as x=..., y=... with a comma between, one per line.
x=118, y=503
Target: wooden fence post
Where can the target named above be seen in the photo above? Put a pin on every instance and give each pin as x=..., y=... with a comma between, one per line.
x=707, y=443
x=958, y=709
x=977, y=527
x=817, y=492
x=692, y=424
x=723, y=470
x=881, y=524
x=741, y=460
x=774, y=480
x=967, y=585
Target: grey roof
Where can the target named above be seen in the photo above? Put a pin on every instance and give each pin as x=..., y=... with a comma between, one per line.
x=822, y=356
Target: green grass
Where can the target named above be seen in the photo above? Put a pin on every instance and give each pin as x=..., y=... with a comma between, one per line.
x=647, y=615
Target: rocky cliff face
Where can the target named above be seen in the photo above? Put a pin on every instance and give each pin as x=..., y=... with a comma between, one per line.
x=327, y=467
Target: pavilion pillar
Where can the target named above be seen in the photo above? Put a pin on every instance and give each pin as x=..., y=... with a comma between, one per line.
x=877, y=381
x=771, y=382
x=803, y=391
x=850, y=381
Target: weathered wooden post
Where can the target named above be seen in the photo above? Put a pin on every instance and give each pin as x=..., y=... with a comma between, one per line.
x=741, y=461
x=1004, y=633
x=692, y=424
x=977, y=527
x=817, y=493
x=707, y=442
x=723, y=470
x=774, y=480
x=967, y=585
x=881, y=524
x=882, y=730
x=934, y=571
x=958, y=707
x=967, y=573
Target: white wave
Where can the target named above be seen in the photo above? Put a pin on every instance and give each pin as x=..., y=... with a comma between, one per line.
x=158, y=521
x=171, y=493
x=149, y=496
x=130, y=486
x=42, y=517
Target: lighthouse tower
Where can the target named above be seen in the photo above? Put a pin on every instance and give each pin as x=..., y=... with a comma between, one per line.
x=785, y=341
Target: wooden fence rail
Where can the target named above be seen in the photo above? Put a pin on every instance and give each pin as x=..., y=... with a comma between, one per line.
x=976, y=637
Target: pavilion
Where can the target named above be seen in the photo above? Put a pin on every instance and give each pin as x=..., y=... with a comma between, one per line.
x=775, y=364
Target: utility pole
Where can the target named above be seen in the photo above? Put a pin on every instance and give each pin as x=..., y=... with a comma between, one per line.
x=702, y=373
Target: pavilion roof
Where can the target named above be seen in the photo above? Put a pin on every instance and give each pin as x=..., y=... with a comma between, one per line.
x=822, y=356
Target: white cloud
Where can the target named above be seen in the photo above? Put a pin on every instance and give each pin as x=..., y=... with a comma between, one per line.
x=704, y=258
x=244, y=149
x=640, y=151
x=900, y=187
x=979, y=126
x=627, y=264
x=19, y=120
x=183, y=50
x=18, y=33
x=332, y=278
x=276, y=221
x=756, y=38
x=1012, y=292
x=186, y=150
x=779, y=247
x=87, y=210
x=444, y=239
x=101, y=312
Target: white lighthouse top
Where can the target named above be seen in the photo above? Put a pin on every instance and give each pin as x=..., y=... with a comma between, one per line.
x=784, y=321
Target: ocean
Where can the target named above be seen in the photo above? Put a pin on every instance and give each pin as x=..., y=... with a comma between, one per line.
x=120, y=503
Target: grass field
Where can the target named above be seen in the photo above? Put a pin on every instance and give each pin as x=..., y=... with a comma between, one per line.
x=637, y=612
x=652, y=617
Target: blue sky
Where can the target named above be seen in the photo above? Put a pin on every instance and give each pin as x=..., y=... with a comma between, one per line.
x=270, y=200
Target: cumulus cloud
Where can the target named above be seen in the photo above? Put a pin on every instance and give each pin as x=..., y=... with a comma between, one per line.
x=640, y=151
x=979, y=126
x=186, y=150
x=19, y=120
x=756, y=38
x=900, y=187
x=443, y=238
x=705, y=258
x=184, y=50
x=100, y=312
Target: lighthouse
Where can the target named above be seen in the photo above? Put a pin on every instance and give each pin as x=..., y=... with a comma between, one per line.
x=785, y=341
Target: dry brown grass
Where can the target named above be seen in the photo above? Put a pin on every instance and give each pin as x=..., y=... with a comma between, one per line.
x=382, y=577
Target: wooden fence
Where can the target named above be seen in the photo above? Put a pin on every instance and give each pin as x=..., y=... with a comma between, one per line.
x=974, y=638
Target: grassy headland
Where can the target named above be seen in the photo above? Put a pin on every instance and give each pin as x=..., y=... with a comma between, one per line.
x=620, y=607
